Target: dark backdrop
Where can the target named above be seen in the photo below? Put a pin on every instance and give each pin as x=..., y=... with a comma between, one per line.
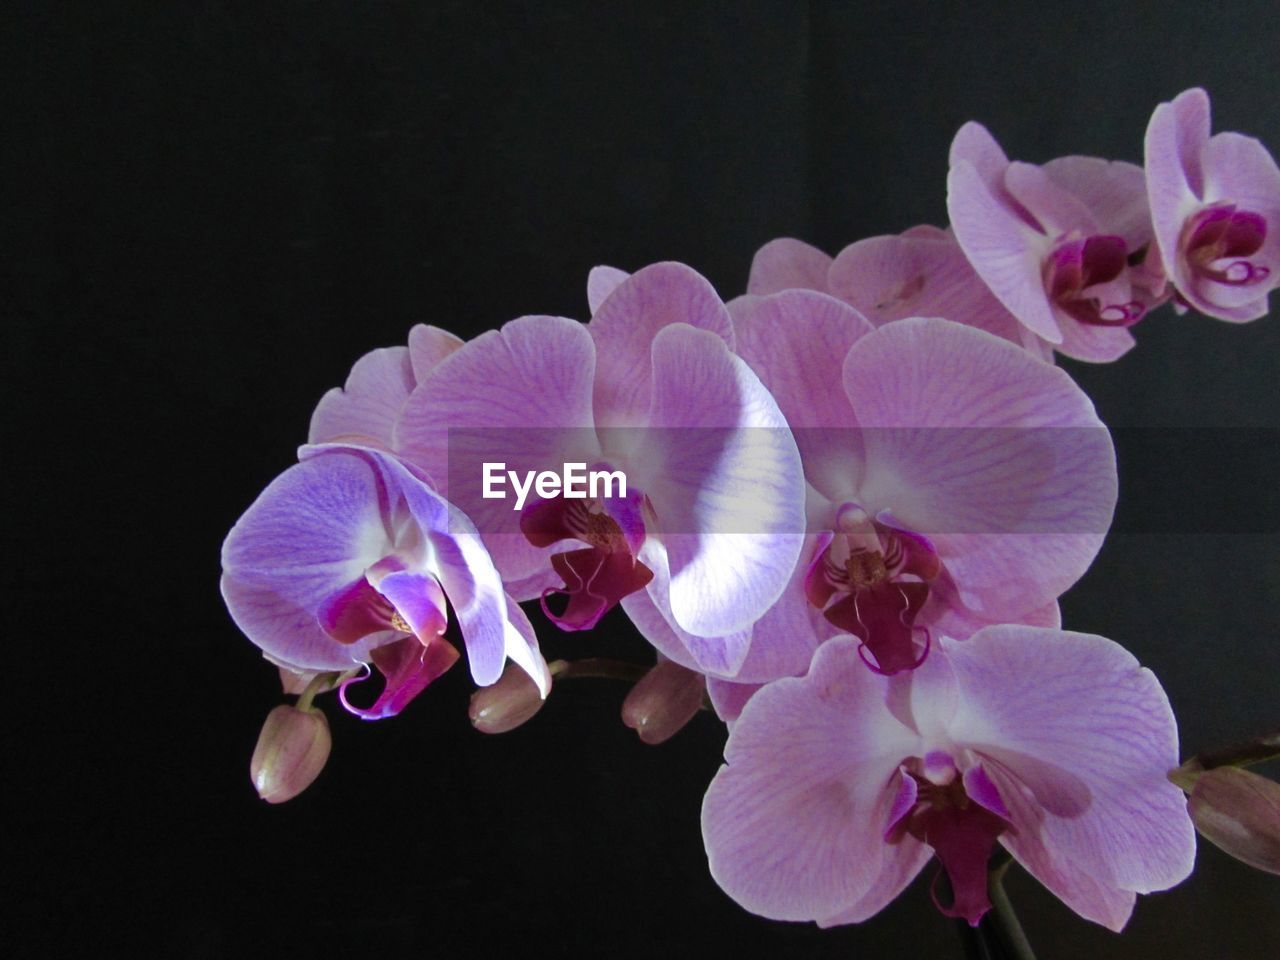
x=216, y=208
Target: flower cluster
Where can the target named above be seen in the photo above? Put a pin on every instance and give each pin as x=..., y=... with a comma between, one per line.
x=851, y=500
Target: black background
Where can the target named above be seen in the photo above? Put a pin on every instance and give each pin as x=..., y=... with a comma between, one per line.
x=216, y=208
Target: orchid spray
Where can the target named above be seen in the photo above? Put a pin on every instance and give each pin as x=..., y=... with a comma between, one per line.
x=848, y=503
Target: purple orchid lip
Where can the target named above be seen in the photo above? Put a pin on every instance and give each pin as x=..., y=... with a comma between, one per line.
x=933, y=804
x=598, y=576
x=1222, y=232
x=872, y=580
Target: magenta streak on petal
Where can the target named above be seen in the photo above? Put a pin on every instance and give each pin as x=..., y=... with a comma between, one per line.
x=903, y=802
x=354, y=612
x=1221, y=232
x=409, y=667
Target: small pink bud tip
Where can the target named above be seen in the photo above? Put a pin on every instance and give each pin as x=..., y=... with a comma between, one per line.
x=291, y=752
x=507, y=704
x=1239, y=811
x=664, y=700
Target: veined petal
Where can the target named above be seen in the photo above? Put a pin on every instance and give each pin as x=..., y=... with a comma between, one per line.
x=1002, y=248
x=787, y=264
x=794, y=823
x=1079, y=739
x=1176, y=134
x=723, y=476
x=796, y=343
x=601, y=282
x=728, y=697
x=428, y=346
x=1113, y=191
x=364, y=411
x=997, y=457
x=312, y=532
x=650, y=611
x=626, y=324
x=1057, y=209
x=922, y=273
x=520, y=396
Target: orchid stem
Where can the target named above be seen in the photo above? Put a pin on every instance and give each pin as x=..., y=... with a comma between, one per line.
x=1005, y=920
x=598, y=667
x=602, y=668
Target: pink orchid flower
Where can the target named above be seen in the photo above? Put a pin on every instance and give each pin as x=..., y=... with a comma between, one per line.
x=347, y=558
x=839, y=786
x=953, y=481
x=1215, y=203
x=1055, y=243
x=711, y=524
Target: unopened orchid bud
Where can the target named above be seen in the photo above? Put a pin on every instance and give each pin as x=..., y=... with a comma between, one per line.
x=664, y=700
x=291, y=752
x=1239, y=811
x=506, y=704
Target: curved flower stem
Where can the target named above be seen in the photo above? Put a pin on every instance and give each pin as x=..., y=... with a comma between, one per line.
x=598, y=667
x=1003, y=918
x=602, y=668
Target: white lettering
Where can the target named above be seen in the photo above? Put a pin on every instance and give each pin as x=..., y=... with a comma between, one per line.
x=522, y=491
x=575, y=482
x=548, y=484
x=493, y=475
x=575, y=473
x=608, y=478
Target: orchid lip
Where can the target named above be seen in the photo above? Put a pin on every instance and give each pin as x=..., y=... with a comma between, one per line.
x=871, y=580
x=938, y=806
x=1218, y=242
x=598, y=576
x=1077, y=264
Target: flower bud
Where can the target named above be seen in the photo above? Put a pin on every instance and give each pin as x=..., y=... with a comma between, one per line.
x=664, y=700
x=291, y=752
x=506, y=704
x=1239, y=811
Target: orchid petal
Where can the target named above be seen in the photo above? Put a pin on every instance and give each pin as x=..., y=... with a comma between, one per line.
x=796, y=343
x=1078, y=738
x=312, y=532
x=428, y=347
x=796, y=834
x=364, y=411
x=787, y=264
x=1002, y=249
x=520, y=396
x=601, y=282
x=1113, y=191
x=922, y=274
x=625, y=326
x=996, y=456
x=723, y=476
